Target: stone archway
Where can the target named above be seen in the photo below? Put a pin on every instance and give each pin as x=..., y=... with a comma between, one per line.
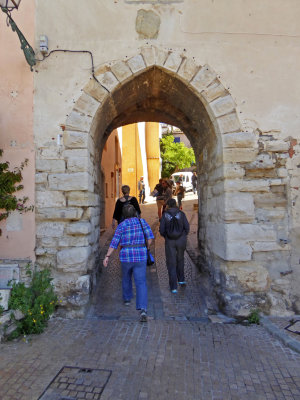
x=155, y=85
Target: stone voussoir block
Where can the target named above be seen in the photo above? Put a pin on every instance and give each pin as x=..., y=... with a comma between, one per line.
x=51, y=166
x=188, y=69
x=50, y=198
x=148, y=54
x=228, y=123
x=94, y=89
x=68, y=213
x=78, y=122
x=160, y=56
x=75, y=139
x=79, y=228
x=239, y=139
x=136, y=63
x=121, y=71
x=213, y=91
x=108, y=80
x=173, y=62
x=87, y=105
x=68, y=182
x=222, y=105
x=203, y=78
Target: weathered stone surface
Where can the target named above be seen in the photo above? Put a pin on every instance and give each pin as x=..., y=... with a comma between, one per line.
x=264, y=215
x=83, y=199
x=249, y=232
x=282, y=172
x=78, y=122
x=203, y=78
x=50, y=165
x=50, y=198
x=76, y=153
x=79, y=228
x=270, y=200
x=269, y=246
x=40, y=251
x=91, y=212
x=251, y=276
x=160, y=56
x=238, y=207
x=75, y=139
x=136, y=63
x=50, y=152
x=173, y=62
x=86, y=104
x=188, y=69
x=72, y=257
x=68, y=182
x=108, y=80
x=73, y=241
x=229, y=123
x=242, y=185
x=121, y=71
x=239, y=139
x=276, y=146
x=238, y=251
x=41, y=178
x=60, y=213
x=47, y=242
x=233, y=171
x=213, y=91
x=4, y=298
x=147, y=24
x=262, y=161
x=222, y=105
x=231, y=155
x=50, y=229
x=148, y=54
x=78, y=164
x=95, y=90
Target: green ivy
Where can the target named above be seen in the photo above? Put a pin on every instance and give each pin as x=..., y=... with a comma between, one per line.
x=253, y=317
x=9, y=184
x=37, y=302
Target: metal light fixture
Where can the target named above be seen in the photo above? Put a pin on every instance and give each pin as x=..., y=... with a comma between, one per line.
x=7, y=6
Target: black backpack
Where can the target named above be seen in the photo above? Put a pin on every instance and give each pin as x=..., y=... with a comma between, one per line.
x=174, y=225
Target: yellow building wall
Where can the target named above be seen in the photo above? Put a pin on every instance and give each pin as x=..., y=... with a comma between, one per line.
x=153, y=153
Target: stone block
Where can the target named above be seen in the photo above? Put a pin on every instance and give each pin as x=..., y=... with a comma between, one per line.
x=75, y=139
x=249, y=232
x=76, y=153
x=79, y=228
x=68, y=182
x=264, y=215
x=250, y=275
x=262, y=161
x=78, y=164
x=229, y=123
x=50, y=198
x=59, y=213
x=108, y=80
x=233, y=171
x=121, y=71
x=83, y=199
x=147, y=24
x=160, y=56
x=91, y=212
x=50, y=165
x=203, y=78
x=188, y=69
x=86, y=104
x=277, y=146
x=282, y=172
x=73, y=241
x=173, y=62
x=242, y=185
x=50, y=229
x=41, y=178
x=222, y=106
x=136, y=63
x=239, y=139
x=94, y=89
x=213, y=91
x=270, y=200
x=50, y=152
x=238, y=207
x=238, y=251
x=269, y=246
x=4, y=298
x=41, y=251
x=47, y=242
x=78, y=122
x=239, y=155
x=73, y=256
x=148, y=55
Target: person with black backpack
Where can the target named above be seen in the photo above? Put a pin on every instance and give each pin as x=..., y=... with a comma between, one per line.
x=174, y=227
x=123, y=201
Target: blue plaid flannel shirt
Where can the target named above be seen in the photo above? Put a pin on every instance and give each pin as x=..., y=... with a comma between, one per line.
x=129, y=232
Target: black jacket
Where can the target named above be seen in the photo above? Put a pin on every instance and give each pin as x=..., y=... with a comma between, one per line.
x=183, y=220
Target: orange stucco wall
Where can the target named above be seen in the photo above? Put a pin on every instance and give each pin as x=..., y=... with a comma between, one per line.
x=111, y=168
x=16, y=128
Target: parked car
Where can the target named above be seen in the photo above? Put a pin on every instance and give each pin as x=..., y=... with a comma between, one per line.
x=186, y=179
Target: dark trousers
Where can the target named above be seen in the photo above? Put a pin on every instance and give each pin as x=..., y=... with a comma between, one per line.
x=175, y=260
x=142, y=196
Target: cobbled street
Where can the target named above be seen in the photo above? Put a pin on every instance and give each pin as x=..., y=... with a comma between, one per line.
x=178, y=355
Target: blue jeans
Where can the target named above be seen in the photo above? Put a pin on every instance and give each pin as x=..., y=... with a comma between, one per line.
x=138, y=269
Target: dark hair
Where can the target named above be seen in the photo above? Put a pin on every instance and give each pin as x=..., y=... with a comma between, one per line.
x=125, y=189
x=171, y=203
x=128, y=211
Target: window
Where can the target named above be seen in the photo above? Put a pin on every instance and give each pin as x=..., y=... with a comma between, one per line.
x=176, y=139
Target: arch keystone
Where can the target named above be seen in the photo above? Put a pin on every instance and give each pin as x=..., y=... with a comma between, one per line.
x=148, y=54
x=121, y=71
x=173, y=62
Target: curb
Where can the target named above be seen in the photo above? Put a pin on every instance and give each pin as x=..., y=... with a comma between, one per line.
x=278, y=334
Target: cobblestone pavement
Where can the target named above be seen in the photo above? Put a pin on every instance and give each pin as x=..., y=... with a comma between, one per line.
x=283, y=322
x=177, y=355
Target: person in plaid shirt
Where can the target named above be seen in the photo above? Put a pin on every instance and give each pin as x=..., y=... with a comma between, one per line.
x=133, y=256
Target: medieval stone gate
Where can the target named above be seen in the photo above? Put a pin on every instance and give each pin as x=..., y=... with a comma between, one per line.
x=243, y=215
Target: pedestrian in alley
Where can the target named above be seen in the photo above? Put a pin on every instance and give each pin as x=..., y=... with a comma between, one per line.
x=158, y=194
x=141, y=189
x=133, y=257
x=194, y=181
x=179, y=192
x=167, y=192
x=121, y=202
x=174, y=227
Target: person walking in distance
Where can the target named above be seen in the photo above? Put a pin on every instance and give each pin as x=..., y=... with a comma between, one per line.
x=141, y=189
x=179, y=192
x=158, y=194
x=167, y=192
x=194, y=181
x=123, y=201
x=174, y=227
x=133, y=256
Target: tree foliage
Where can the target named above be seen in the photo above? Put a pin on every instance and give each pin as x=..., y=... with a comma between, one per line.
x=175, y=156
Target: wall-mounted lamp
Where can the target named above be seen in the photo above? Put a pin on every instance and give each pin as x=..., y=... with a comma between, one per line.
x=7, y=6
